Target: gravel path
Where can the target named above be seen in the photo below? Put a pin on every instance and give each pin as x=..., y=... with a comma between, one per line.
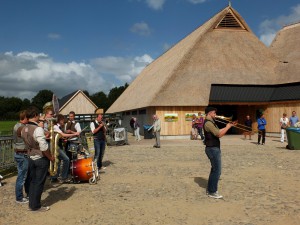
x=142, y=185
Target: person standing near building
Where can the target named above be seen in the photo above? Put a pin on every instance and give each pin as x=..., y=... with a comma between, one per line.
x=156, y=131
x=131, y=123
x=21, y=160
x=213, y=151
x=136, y=126
x=261, y=125
x=200, y=122
x=98, y=128
x=248, y=125
x=284, y=123
x=194, y=131
x=293, y=119
x=39, y=158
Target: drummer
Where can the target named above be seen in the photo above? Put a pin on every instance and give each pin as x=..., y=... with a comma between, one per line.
x=71, y=127
x=58, y=128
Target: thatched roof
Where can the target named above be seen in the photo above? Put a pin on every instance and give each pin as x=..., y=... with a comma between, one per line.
x=222, y=51
x=286, y=46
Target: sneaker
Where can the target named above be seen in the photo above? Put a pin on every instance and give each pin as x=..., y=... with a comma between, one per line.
x=42, y=209
x=215, y=195
x=23, y=201
x=64, y=181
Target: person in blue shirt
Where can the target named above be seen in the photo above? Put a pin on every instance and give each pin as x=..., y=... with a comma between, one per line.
x=293, y=119
x=261, y=125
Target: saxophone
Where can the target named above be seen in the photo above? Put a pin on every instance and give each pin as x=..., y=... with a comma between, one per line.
x=54, y=138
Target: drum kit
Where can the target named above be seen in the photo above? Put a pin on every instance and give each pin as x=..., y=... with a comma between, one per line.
x=82, y=167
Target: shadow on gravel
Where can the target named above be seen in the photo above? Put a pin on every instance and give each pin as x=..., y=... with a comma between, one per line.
x=202, y=182
x=59, y=194
x=107, y=163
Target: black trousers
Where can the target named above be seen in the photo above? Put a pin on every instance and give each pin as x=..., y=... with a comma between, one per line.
x=38, y=173
x=262, y=133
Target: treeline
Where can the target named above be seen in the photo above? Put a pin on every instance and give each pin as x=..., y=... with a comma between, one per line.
x=11, y=106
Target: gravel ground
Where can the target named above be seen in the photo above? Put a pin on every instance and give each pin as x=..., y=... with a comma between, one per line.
x=143, y=185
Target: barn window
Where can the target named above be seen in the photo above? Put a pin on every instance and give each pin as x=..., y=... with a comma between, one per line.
x=134, y=112
x=230, y=21
x=142, y=111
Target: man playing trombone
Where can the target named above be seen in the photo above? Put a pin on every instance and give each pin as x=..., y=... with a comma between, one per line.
x=212, y=141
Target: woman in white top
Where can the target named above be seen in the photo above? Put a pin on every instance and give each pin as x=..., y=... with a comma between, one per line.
x=284, y=123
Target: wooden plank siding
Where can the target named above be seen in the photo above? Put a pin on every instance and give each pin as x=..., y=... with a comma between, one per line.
x=181, y=127
x=79, y=104
x=275, y=111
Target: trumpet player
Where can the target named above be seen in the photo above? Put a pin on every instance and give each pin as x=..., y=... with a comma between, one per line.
x=39, y=158
x=212, y=141
x=98, y=128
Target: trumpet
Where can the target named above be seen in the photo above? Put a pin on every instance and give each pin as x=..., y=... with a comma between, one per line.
x=225, y=120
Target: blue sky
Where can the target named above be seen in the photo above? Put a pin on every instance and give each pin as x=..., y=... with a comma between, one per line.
x=94, y=45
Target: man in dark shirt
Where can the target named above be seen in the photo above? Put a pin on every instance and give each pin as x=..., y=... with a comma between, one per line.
x=212, y=141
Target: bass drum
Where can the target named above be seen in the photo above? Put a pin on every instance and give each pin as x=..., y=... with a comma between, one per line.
x=83, y=169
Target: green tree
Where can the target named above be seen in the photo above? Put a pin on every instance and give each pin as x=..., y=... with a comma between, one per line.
x=114, y=94
x=41, y=98
x=100, y=99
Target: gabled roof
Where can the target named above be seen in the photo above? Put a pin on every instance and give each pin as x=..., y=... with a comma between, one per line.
x=68, y=98
x=183, y=75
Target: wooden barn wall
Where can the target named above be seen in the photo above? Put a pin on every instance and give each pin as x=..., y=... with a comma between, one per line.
x=80, y=105
x=273, y=112
x=181, y=127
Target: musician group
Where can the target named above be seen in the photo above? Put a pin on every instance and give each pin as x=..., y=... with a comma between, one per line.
x=32, y=135
x=34, y=155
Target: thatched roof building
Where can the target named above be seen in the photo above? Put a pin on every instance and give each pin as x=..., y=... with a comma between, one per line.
x=223, y=51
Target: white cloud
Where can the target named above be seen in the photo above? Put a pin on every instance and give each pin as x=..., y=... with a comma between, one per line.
x=196, y=1
x=120, y=68
x=270, y=27
x=156, y=4
x=141, y=28
x=24, y=74
x=54, y=36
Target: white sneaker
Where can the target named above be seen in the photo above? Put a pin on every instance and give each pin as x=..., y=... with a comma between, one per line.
x=215, y=195
x=23, y=201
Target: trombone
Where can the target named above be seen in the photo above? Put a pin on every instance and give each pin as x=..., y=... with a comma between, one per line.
x=225, y=120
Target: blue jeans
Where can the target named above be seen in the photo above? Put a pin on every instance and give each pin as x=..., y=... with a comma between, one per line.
x=99, y=146
x=66, y=165
x=22, y=166
x=214, y=155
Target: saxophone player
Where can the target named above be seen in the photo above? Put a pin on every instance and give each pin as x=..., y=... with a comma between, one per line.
x=39, y=158
x=58, y=128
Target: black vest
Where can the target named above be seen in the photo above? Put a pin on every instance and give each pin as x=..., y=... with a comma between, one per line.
x=210, y=139
x=100, y=135
x=71, y=126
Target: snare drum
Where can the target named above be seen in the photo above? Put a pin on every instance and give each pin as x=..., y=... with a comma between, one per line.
x=83, y=169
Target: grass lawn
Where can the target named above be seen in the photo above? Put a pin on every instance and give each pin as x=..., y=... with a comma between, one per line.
x=7, y=126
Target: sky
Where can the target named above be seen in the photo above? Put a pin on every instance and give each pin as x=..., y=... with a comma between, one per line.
x=95, y=45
